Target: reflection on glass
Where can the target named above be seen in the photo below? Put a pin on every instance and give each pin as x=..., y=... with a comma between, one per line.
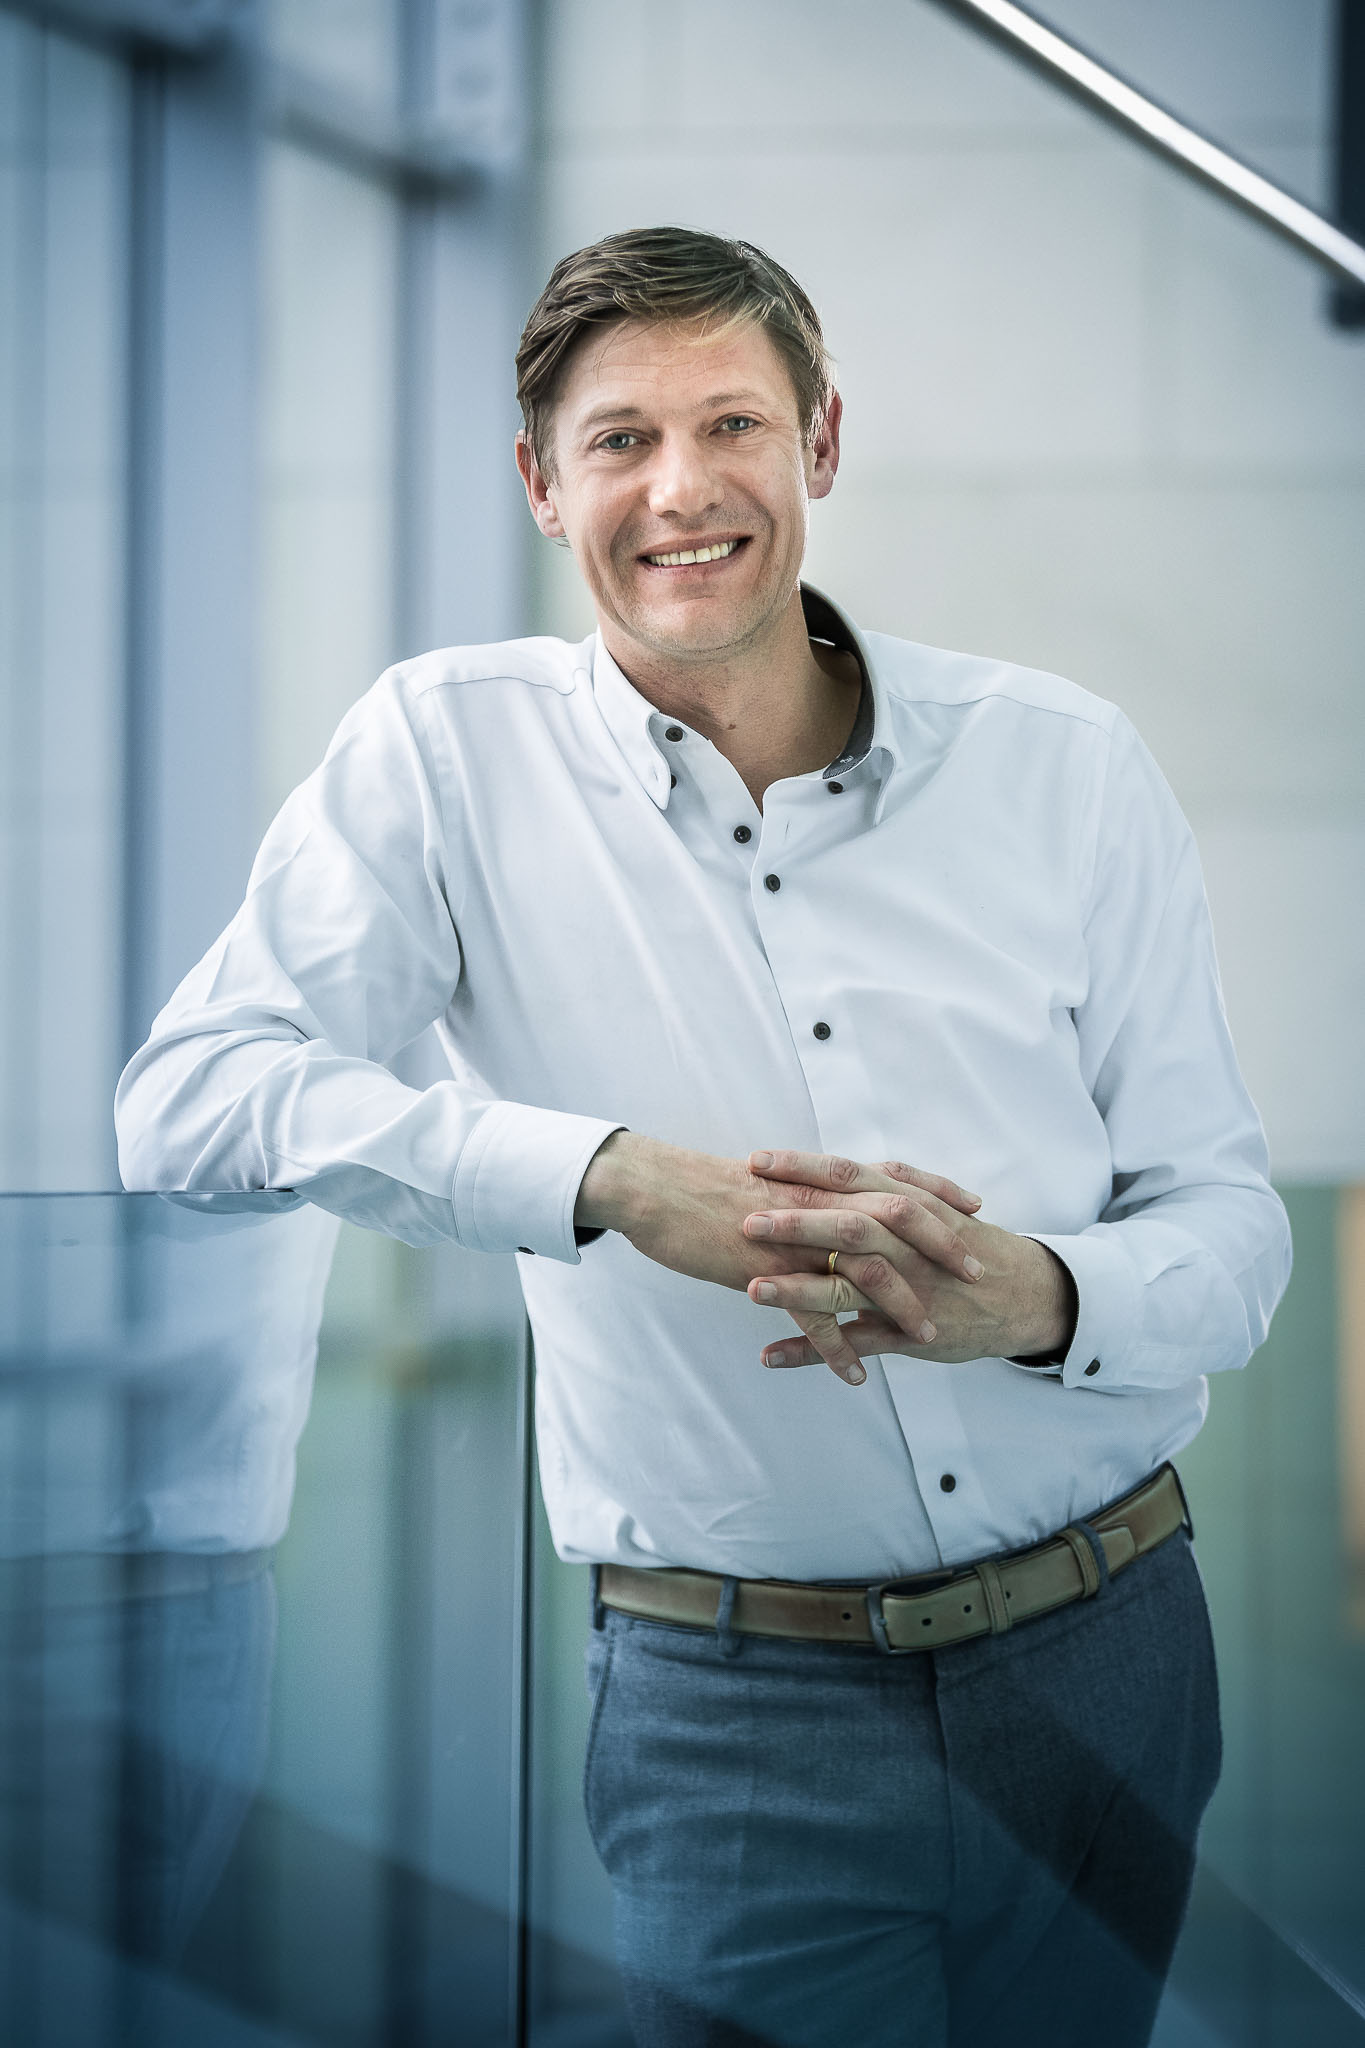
x=324, y=1841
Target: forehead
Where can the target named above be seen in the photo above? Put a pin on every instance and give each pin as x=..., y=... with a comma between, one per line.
x=672, y=367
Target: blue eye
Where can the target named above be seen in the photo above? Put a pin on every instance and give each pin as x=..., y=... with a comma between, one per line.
x=618, y=440
x=739, y=420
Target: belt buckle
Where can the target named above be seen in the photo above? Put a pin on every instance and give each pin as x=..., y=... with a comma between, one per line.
x=877, y=1620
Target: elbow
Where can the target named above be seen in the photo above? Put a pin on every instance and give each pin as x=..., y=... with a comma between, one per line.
x=148, y=1157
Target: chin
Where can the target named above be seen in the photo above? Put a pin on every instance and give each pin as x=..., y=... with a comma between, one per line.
x=686, y=630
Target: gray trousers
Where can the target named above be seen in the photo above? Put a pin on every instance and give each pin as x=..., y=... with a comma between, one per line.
x=985, y=1846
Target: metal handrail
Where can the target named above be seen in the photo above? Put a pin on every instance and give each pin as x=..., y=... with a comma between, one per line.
x=1071, y=69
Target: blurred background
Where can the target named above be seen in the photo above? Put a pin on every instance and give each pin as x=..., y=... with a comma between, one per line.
x=262, y=270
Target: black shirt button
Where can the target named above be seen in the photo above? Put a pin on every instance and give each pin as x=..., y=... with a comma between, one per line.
x=527, y=1249
x=672, y=781
x=835, y=788
x=773, y=882
x=821, y=1030
x=743, y=835
x=947, y=1482
x=673, y=732
x=1093, y=1367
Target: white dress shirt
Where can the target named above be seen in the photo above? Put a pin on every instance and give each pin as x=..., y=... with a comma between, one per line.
x=993, y=903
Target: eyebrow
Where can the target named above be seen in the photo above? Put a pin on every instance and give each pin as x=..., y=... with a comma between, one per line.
x=717, y=399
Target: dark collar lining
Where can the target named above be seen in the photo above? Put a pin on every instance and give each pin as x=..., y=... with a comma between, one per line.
x=824, y=623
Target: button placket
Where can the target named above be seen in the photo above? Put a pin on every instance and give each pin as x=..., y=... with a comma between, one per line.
x=922, y=1394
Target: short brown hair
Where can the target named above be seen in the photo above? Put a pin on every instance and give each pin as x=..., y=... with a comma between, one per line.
x=666, y=274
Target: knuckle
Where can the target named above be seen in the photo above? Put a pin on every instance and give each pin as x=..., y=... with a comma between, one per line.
x=852, y=1226
x=875, y=1272
x=843, y=1172
x=900, y=1209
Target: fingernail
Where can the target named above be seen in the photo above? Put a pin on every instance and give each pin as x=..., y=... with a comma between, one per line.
x=760, y=1226
x=765, y=1291
x=927, y=1333
x=760, y=1161
x=973, y=1268
x=855, y=1375
x=775, y=1358
x=968, y=1196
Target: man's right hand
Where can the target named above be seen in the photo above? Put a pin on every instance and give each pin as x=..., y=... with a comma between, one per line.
x=686, y=1210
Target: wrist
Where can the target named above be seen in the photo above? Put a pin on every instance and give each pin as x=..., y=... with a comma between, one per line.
x=1048, y=1334
x=612, y=1193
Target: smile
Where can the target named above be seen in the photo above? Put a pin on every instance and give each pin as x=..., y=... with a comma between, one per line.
x=715, y=552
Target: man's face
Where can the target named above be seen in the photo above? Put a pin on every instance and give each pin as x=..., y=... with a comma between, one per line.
x=667, y=441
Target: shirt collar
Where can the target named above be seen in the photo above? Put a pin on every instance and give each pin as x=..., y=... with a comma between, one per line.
x=638, y=726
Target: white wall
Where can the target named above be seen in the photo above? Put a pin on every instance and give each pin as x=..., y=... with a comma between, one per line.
x=1095, y=421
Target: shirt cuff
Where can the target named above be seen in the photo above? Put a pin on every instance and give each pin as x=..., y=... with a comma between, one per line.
x=1108, y=1295
x=518, y=1179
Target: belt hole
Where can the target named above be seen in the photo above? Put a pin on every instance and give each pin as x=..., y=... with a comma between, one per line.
x=847, y=1615
x=968, y=1608
x=928, y=1621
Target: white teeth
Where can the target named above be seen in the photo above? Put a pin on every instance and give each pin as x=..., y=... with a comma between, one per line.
x=717, y=553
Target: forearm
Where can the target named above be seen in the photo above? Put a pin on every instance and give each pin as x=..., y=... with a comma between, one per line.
x=206, y=1111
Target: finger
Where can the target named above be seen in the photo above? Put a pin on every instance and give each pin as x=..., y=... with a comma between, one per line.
x=869, y=1336
x=826, y=1337
x=831, y=1294
x=849, y=1176
x=913, y=1220
x=869, y=1283
x=936, y=1184
x=870, y=1223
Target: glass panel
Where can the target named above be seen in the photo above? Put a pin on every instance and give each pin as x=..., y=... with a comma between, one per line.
x=63, y=266
x=1273, y=1952
x=254, y=1793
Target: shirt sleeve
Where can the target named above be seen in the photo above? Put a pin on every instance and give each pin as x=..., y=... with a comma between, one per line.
x=266, y=1074
x=1182, y=1271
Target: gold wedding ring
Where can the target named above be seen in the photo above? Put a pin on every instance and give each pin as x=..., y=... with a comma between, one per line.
x=832, y=1257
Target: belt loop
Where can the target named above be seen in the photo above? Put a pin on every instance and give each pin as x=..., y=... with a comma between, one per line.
x=1090, y=1557
x=988, y=1573
x=599, y=1612
x=725, y=1607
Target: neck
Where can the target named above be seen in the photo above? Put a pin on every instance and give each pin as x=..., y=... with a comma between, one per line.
x=775, y=708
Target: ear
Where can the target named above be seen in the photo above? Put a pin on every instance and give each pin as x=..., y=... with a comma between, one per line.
x=822, y=461
x=538, y=492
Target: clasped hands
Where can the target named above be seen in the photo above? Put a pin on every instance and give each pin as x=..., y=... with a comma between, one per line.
x=916, y=1266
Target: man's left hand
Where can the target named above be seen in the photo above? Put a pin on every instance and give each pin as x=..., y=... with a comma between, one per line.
x=1022, y=1304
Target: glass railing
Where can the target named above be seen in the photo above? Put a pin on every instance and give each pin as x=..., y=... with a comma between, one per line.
x=293, y=1757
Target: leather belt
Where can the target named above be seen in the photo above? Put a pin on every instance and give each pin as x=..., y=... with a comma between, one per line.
x=926, y=1612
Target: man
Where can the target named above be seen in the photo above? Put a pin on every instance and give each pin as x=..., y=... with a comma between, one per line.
x=706, y=911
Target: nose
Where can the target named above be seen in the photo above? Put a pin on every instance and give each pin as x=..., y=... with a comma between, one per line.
x=682, y=482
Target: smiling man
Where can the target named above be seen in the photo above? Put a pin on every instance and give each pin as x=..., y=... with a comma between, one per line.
x=904, y=1705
